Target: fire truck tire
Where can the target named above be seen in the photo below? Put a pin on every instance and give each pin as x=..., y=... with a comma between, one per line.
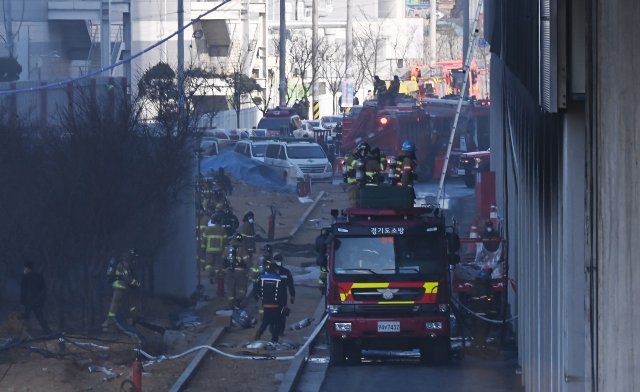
x=437, y=352
x=354, y=354
x=470, y=180
x=336, y=352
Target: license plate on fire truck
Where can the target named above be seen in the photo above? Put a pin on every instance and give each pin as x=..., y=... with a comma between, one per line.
x=388, y=326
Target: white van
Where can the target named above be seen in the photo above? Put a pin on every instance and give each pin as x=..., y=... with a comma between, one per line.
x=252, y=149
x=293, y=160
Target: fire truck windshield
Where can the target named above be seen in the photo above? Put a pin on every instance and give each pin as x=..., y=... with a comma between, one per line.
x=388, y=255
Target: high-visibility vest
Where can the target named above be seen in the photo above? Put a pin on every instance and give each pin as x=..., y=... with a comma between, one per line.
x=214, y=238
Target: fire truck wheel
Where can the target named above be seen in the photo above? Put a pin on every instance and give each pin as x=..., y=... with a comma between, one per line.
x=437, y=352
x=336, y=352
x=354, y=354
x=470, y=180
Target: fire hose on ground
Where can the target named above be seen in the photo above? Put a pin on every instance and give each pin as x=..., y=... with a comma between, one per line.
x=157, y=359
x=458, y=303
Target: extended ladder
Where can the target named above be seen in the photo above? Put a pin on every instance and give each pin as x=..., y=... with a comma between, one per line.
x=465, y=67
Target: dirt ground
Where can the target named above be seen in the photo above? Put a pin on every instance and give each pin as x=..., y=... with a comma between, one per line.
x=51, y=366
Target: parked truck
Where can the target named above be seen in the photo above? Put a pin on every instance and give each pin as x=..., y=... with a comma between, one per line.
x=387, y=283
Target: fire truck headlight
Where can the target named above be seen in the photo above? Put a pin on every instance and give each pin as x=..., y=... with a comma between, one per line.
x=343, y=327
x=433, y=325
x=333, y=309
x=443, y=308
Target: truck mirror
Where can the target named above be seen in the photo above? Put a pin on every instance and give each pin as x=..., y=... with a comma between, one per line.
x=453, y=242
x=453, y=259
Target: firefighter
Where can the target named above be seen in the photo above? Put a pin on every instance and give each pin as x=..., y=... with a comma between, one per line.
x=267, y=251
x=218, y=201
x=120, y=273
x=203, y=222
x=289, y=289
x=394, y=90
x=406, y=164
x=349, y=168
x=237, y=265
x=270, y=287
x=214, y=240
x=224, y=181
x=373, y=168
x=380, y=90
x=322, y=241
x=248, y=233
x=33, y=294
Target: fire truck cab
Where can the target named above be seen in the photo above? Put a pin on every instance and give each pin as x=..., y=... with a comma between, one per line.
x=387, y=283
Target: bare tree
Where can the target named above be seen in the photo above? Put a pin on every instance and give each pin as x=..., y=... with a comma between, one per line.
x=332, y=68
x=268, y=93
x=239, y=87
x=368, y=42
x=299, y=52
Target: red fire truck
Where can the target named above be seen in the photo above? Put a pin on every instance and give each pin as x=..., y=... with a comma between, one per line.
x=387, y=127
x=387, y=283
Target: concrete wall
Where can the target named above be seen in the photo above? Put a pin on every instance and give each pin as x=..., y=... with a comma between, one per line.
x=615, y=188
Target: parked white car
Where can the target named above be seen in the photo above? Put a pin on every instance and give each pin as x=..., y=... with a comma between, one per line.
x=252, y=149
x=295, y=159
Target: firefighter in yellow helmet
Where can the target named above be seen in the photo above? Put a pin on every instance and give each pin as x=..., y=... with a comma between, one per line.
x=237, y=266
x=120, y=273
x=214, y=240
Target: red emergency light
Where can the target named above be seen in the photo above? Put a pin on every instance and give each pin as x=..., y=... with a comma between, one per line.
x=384, y=120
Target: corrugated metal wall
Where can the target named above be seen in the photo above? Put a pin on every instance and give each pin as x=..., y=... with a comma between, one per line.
x=569, y=186
x=615, y=161
x=535, y=181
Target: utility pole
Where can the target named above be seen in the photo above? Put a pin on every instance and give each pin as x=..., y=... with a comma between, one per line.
x=314, y=58
x=283, y=55
x=181, y=103
x=433, y=19
x=246, y=41
x=105, y=35
x=8, y=27
x=349, y=41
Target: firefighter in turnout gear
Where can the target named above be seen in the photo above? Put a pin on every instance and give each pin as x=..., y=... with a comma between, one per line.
x=214, y=240
x=248, y=233
x=355, y=171
x=120, y=273
x=237, y=265
x=203, y=222
x=373, y=168
x=270, y=287
x=406, y=164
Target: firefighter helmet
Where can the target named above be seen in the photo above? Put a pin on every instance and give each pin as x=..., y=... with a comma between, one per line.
x=408, y=146
x=267, y=248
x=249, y=215
x=362, y=149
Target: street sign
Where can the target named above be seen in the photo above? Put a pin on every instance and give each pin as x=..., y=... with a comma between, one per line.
x=347, y=93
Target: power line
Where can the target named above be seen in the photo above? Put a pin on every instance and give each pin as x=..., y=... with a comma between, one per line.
x=116, y=64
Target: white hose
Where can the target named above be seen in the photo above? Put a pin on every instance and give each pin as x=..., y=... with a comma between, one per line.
x=158, y=359
x=481, y=317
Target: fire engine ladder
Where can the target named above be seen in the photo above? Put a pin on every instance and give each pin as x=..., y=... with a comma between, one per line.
x=465, y=67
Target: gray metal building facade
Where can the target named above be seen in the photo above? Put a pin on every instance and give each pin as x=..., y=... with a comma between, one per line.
x=565, y=136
